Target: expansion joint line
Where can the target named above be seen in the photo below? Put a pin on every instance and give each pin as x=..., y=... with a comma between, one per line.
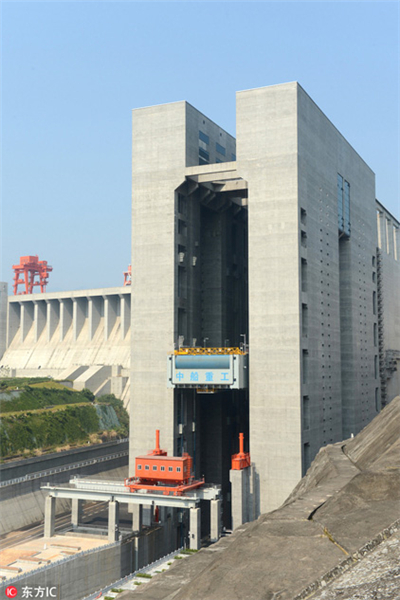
x=332, y=539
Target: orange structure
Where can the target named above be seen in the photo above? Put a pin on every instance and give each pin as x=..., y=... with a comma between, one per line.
x=26, y=271
x=241, y=460
x=157, y=472
x=128, y=276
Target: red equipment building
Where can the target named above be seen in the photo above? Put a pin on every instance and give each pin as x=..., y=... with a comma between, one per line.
x=26, y=271
x=158, y=472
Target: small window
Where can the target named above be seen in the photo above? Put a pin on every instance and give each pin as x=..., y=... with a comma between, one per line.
x=178, y=469
x=170, y=469
x=204, y=154
x=154, y=468
x=203, y=137
x=146, y=468
x=162, y=468
x=220, y=149
x=139, y=467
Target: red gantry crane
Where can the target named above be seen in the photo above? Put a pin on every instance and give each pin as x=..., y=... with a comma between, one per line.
x=26, y=271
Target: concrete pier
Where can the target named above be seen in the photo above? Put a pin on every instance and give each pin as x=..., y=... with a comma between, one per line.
x=195, y=529
x=49, y=516
x=137, y=516
x=215, y=513
x=113, y=521
x=76, y=512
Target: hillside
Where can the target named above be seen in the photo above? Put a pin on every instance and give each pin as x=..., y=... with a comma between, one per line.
x=42, y=415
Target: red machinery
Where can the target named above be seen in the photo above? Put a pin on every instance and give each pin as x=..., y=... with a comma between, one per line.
x=26, y=271
x=128, y=276
x=242, y=460
x=157, y=472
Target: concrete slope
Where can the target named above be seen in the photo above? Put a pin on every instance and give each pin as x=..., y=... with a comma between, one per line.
x=341, y=510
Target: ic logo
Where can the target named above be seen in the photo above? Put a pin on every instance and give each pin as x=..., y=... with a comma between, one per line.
x=11, y=591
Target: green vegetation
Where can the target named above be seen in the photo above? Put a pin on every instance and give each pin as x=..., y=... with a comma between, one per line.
x=137, y=583
x=178, y=557
x=188, y=551
x=27, y=431
x=109, y=597
x=33, y=397
x=144, y=575
x=42, y=415
x=12, y=383
x=117, y=590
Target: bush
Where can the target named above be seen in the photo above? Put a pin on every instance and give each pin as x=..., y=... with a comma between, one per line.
x=46, y=429
x=117, y=590
x=144, y=575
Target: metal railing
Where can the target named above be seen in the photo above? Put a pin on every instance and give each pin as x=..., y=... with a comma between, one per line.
x=124, y=580
x=59, y=562
x=84, y=463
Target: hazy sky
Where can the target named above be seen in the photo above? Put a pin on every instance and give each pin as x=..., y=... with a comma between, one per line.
x=72, y=72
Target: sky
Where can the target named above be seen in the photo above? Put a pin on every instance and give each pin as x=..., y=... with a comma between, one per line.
x=73, y=71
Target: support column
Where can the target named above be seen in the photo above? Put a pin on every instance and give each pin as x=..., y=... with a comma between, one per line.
x=137, y=516
x=49, y=516
x=53, y=317
x=78, y=316
x=195, y=529
x=94, y=315
x=39, y=319
x=125, y=303
x=113, y=521
x=215, y=513
x=76, y=512
x=65, y=317
x=27, y=314
x=110, y=315
x=240, y=496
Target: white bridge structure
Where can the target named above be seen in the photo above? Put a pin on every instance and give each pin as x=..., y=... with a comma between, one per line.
x=116, y=493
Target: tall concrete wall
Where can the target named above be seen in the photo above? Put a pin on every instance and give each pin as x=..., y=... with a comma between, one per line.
x=267, y=159
x=339, y=297
x=389, y=245
x=157, y=170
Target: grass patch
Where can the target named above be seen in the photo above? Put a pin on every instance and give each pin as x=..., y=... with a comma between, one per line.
x=117, y=590
x=144, y=575
x=137, y=583
x=178, y=557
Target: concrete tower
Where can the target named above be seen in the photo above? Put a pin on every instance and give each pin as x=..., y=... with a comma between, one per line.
x=275, y=247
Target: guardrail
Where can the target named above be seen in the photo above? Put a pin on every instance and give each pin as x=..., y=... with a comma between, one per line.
x=124, y=580
x=59, y=562
x=84, y=463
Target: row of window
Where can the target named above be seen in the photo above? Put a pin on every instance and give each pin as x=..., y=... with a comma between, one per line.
x=343, y=200
x=204, y=155
x=155, y=468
